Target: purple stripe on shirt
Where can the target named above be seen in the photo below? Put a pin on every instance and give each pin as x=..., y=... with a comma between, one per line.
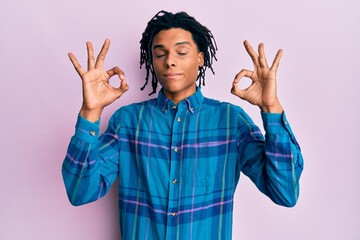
x=144, y=143
x=138, y=203
x=278, y=154
x=206, y=207
x=199, y=145
x=73, y=160
x=208, y=144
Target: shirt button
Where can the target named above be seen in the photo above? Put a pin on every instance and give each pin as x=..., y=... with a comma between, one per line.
x=92, y=133
x=173, y=214
x=176, y=149
x=178, y=119
x=173, y=107
x=174, y=181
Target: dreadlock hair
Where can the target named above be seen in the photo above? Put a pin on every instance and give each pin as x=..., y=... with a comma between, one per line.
x=164, y=20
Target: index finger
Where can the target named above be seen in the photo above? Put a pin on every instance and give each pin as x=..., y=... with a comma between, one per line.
x=101, y=57
x=252, y=53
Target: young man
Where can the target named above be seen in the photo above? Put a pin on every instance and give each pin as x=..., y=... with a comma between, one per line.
x=178, y=157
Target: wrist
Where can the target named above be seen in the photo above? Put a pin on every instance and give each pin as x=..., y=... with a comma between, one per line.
x=272, y=109
x=92, y=115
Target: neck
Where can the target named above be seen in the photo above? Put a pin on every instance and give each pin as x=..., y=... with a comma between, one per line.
x=177, y=97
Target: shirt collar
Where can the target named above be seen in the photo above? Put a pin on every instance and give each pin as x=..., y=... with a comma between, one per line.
x=193, y=102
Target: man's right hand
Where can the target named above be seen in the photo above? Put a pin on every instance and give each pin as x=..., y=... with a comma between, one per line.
x=97, y=91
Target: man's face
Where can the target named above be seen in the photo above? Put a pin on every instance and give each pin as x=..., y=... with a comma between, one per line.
x=176, y=61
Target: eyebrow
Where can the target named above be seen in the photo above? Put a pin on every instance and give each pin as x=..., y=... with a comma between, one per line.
x=177, y=44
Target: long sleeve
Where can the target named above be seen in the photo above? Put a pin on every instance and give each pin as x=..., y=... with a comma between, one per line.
x=275, y=163
x=91, y=163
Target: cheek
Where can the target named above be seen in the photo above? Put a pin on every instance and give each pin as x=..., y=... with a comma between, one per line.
x=156, y=65
x=193, y=68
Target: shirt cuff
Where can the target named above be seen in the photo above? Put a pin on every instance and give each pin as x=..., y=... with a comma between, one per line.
x=275, y=123
x=87, y=131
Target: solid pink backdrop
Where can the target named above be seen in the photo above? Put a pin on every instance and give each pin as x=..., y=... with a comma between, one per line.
x=40, y=93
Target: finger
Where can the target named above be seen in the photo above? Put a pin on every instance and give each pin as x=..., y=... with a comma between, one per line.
x=276, y=61
x=101, y=57
x=243, y=73
x=122, y=88
x=91, y=58
x=237, y=91
x=118, y=71
x=76, y=64
x=252, y=53
x=262, y=58
x=123, y=85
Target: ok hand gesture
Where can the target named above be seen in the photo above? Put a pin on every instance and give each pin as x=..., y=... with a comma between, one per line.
x=97, y=91
x=262, y=92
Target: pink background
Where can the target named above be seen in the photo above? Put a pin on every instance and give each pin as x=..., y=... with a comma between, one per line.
x=41, y=94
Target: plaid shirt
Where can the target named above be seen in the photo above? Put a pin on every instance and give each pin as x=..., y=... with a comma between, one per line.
x=178, y=165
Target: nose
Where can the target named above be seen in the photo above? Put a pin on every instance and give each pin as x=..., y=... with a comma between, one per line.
x=170, y=61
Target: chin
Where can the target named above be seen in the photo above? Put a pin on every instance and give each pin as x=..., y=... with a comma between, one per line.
x=171, y=87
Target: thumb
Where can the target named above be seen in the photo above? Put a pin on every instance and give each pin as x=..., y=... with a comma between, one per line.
x=237, y=91
x=123, y=85
x=235, y=88
x=122, y=88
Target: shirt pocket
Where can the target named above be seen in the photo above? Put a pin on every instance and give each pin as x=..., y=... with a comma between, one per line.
x=210, y=172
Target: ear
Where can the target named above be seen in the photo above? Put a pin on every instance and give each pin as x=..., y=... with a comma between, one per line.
x=201, y=59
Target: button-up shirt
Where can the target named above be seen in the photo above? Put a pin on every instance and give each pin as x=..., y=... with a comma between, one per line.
x=178, y=165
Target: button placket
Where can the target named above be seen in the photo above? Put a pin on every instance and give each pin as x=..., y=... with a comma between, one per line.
x=176, y=148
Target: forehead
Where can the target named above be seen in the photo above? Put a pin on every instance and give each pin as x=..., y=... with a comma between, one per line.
x=173, y=36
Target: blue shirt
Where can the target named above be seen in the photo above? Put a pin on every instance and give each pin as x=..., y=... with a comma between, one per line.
x=178, y=165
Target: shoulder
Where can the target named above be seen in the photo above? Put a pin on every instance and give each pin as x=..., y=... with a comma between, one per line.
x=217, y=104
x=226, y=109
x=128, y=112
x=139, y=105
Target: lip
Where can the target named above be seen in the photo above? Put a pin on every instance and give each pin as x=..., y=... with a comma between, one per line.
x=172, y=75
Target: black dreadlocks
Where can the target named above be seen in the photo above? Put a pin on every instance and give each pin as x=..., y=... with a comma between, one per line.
x=163, y=20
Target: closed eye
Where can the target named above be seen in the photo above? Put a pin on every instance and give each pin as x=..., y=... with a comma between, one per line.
x=159, y=54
